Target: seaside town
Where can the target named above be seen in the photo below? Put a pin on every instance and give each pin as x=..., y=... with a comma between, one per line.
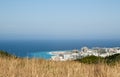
x=83, y=52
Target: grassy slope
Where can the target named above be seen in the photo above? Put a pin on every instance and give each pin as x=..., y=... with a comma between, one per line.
x=41, y=68
x=16, y=67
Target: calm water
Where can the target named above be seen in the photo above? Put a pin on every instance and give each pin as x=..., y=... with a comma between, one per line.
x=40, y=49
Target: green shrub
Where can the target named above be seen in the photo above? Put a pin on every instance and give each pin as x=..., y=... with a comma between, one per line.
x=91, y=60
x=5, y=54
x=113, y=58
x=94, y=59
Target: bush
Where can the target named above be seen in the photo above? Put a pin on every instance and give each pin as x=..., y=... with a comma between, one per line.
x=5, y=54
x=91, y=60
x=94, y=59
x=113, y=58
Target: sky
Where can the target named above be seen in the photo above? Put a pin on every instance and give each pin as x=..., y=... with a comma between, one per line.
x=59, y=19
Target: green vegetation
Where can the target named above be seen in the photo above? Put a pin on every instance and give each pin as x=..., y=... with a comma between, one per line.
x=95, y=60
x=113, y=58
x=91, y=59
x=4, y=54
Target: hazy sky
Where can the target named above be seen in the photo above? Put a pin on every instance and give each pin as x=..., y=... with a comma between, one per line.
x=59, y=19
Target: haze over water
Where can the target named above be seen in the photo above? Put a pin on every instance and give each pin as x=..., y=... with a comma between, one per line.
x=64, y=19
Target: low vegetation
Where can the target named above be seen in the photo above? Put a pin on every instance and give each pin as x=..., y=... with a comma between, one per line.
x=113, y=59
x=91, y=60
x=4, y=54
x=17, y=67
x=95, y=60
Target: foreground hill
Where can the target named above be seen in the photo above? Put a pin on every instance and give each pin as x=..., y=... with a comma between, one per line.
x=42, y=68
x=17, y=67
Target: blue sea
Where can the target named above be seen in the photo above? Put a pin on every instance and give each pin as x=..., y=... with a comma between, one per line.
x=41, y=48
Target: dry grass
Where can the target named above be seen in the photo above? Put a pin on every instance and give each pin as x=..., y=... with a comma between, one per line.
x=42, y=68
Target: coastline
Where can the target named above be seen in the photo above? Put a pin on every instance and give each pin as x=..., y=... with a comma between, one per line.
x=74, y=54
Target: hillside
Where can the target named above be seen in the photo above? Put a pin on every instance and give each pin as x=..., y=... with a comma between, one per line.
x=17, y=67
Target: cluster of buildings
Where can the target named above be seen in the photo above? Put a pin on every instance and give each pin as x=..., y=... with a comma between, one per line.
x=85, y=51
